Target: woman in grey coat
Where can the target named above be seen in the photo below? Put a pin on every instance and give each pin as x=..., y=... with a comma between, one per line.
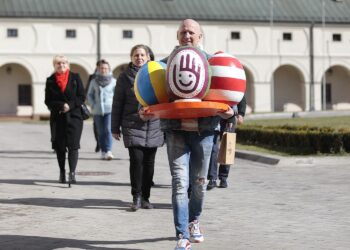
x=140, y=137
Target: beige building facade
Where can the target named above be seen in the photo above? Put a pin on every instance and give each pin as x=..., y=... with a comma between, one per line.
x=276, y=57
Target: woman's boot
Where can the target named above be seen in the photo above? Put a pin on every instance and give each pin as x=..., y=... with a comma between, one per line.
x=62, y=178
x=146, y=204
x=72, y=178
x=136, y=203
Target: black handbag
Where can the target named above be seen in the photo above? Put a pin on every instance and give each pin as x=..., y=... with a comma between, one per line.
x=85, y=113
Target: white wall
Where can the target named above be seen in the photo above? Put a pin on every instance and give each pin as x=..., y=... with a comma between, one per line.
x=39, y=40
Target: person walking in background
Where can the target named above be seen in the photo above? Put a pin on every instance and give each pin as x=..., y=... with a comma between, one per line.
x=189, y=143
x=229, y=126
x=64, y=94
x=100, y=98
x=92, y=76
x=141, y=138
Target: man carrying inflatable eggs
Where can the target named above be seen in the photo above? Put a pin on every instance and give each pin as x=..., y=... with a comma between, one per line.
x=189, y=122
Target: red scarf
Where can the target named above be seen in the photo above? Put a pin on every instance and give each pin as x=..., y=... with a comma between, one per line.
x=62, y=80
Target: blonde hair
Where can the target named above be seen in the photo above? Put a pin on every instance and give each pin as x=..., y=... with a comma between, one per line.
x=57, y=58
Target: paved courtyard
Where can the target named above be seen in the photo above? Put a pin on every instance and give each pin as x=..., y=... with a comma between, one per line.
x=300, y=203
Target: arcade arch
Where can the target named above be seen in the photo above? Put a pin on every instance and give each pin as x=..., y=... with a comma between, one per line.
x=337, y=86
x=15, y=90
x=119, y=69
x=84, y=75
x=249, y=93
x=289, y=89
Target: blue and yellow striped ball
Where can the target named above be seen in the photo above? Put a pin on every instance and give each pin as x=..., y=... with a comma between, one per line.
x=150, y=84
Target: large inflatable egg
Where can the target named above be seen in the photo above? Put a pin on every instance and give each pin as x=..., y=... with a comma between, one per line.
x=228, y=81
x=187, y=74
x=150, y=84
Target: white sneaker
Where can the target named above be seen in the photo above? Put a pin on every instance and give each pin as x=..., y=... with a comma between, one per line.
x=183, y=244
x=103, y=155
x=196, y=235
x=109, y=156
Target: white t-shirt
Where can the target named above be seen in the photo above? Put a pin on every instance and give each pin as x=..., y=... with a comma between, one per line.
x=189, y=124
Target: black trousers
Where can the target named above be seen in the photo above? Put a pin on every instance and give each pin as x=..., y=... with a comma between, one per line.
x=72, y=159
x=213, y=165
x=213, y=169
x=141, y=170
x=224, y=171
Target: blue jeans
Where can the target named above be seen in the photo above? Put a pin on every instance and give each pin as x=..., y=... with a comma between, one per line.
x=185, y=148
x=103, y=125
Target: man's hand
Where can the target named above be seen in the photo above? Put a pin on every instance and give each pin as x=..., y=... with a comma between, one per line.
x=239, y=119
x=227, y=114
x=145, y=115
x=116, y=136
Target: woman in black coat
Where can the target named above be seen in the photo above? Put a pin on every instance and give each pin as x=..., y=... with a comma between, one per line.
x=140, y=137
x=64, y=94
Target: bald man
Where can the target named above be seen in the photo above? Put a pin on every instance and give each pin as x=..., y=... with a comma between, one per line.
x=190, y=142
x=189, y=33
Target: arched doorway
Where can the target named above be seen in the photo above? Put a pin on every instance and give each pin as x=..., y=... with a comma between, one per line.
x=337, y=85
x=84, y=75
x=15, y=90
x=119, y=69
x=289, y=91
x=249, y=93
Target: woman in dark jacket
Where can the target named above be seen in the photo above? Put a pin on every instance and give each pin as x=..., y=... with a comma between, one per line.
x=140, y=137
x=64, y=94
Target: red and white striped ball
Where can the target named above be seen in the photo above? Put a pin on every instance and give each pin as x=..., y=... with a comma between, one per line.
x=228, y=81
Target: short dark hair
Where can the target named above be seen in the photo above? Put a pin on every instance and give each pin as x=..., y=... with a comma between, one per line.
x=102, y=61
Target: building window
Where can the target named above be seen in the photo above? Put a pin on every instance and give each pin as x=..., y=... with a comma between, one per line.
x=12, y=33
x=235, y=35
x=336, y=37
x=287, y=36
x=71, y=33
x=24, y=95
x=127, y=33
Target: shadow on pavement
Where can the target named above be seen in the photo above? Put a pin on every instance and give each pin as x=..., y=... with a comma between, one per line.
x=37, y=243
x=23, y=154
x=19, y=156
x=85, y=203
x=27, y=152
x=54, y=183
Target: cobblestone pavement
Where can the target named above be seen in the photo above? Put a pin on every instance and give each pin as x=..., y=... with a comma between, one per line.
x=299, y=203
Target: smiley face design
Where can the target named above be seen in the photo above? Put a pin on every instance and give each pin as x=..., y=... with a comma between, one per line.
x=186, y=76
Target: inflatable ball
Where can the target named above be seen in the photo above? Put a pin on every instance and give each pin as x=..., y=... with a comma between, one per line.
x=150, y=84
x=228, y=81
x=187, y=74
